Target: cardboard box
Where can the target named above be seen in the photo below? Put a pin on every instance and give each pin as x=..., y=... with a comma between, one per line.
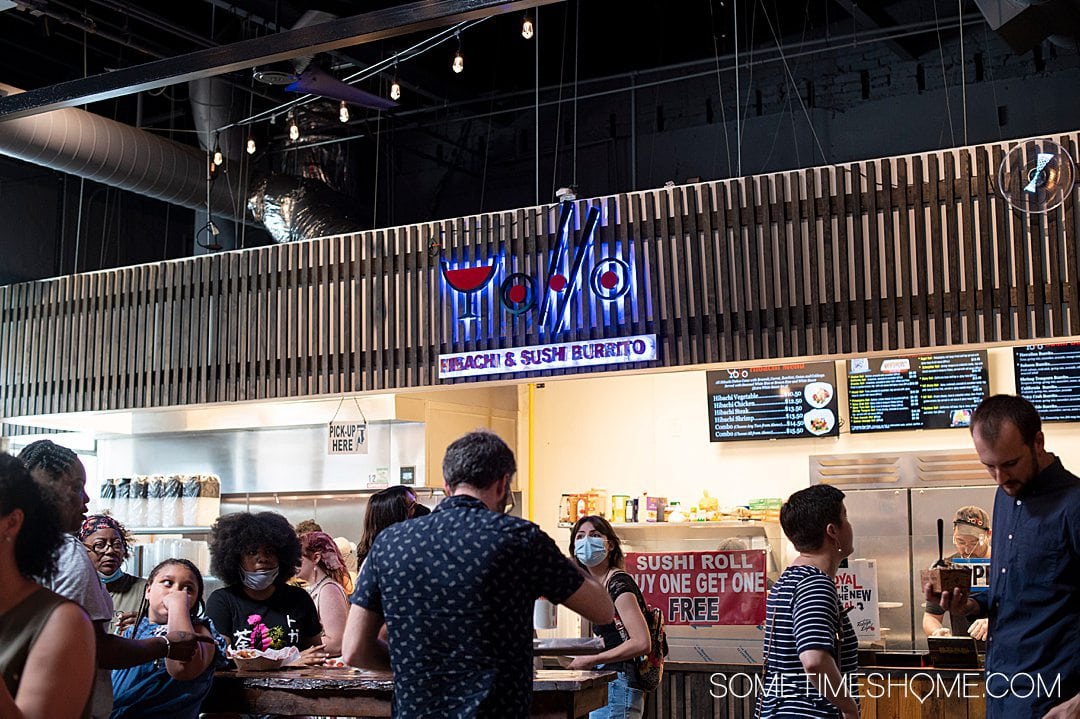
x=945, y=579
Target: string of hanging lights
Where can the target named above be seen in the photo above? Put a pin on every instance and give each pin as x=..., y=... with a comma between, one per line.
x=528, y=31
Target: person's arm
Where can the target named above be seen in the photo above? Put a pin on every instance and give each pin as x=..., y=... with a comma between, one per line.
x=360, y=645
x=591, y=601
x=115, y=652
x=180, y=622
x=821, y=670
x=59, y=671
x=931, y=622
x=333, y=609
x=639, y=642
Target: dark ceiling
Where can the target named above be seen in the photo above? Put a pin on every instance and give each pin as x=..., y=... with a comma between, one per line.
x=50, y=41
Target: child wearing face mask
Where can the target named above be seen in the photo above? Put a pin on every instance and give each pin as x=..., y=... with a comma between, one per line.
x=172, y=602
x=256, y=555
x=596, y=547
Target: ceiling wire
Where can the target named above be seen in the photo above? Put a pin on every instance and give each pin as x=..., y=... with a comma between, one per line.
x=738, y=91
x=719, y=85
x=963, y=65
x=795, y=88
x=577, y=57
x=944, y=78
x=558, y=107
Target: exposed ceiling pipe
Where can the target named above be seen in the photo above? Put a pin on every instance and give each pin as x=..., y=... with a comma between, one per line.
x=86, y=145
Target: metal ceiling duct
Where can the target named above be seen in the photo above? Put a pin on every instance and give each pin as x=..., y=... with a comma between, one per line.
x=86, y=145
x=300, y=208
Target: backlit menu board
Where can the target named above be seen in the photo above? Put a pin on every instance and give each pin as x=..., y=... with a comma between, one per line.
x=916, y=392
x=1048, y=376
x=790, y=400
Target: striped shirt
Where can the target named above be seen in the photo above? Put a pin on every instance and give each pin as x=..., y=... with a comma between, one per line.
x=803, y=613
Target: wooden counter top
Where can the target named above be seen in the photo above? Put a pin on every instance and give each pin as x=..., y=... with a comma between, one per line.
x=557, y=694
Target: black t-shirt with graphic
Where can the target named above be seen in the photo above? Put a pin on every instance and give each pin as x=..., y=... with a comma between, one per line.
x=288, y=617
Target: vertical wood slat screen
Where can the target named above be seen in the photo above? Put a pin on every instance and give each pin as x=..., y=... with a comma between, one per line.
x=892, y=254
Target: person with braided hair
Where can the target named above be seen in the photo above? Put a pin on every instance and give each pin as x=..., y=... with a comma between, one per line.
x=61, y=477
x=109, y=544
x=43, y=636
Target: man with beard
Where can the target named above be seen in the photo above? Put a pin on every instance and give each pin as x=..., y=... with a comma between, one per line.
x=1032, y=666
x=456, y=589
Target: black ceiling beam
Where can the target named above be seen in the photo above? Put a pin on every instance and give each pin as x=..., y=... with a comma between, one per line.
x=346, y=32
x=874, y=17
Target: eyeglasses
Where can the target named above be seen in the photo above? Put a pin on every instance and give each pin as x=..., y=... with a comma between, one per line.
x=102, y=545
x=410, y=509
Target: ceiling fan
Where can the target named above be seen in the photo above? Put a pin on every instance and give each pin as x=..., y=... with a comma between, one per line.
x=306, y=75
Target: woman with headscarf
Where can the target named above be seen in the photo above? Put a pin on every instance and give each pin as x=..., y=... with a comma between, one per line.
x=109, y=544
x=323, y=571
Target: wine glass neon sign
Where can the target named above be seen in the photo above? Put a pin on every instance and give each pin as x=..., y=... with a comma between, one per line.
x=609, y=278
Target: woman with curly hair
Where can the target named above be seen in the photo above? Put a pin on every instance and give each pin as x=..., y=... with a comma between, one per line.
x=109, y=544
x=43, y=636
x=323, y=571
x=256, y=555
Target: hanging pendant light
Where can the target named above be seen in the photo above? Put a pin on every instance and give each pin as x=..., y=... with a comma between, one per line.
x=459, y=59
x=527, y=29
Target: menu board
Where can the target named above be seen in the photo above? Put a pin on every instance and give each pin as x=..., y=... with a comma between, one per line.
x=1048, y=376
x=791, y=400
x=916, y=392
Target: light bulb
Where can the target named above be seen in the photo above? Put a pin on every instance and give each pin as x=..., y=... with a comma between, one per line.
x=459, y=62
x=343, y=113
x=527, y=28
x=395, y=90
x=294, y=131
x=251, y=146
x=219, y=159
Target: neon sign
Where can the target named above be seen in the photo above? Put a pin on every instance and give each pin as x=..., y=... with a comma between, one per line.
x=569, y=269
x=586, y=353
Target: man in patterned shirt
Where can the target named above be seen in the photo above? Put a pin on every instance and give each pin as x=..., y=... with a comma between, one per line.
x=456, y=591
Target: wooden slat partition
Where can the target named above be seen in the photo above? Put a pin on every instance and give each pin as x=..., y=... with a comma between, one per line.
x=886, y=255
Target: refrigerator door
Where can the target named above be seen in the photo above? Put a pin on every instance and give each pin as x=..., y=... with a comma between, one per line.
x=879, y=519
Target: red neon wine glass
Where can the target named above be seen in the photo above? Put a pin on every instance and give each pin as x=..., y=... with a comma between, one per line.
x=467, y=280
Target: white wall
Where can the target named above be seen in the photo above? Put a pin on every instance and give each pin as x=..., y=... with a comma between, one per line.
x=650, y=432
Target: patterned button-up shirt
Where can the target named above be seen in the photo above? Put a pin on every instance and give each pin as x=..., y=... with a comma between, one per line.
x=456, y=589
x=1033, y=655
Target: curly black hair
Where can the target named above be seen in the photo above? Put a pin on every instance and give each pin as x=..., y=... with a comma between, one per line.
x=40, y=536
x=234, y=534
x=48, y=456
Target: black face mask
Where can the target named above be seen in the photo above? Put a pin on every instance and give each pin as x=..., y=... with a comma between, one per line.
x=419, y=510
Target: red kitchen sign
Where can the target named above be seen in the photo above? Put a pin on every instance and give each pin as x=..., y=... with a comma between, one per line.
x=703, y=588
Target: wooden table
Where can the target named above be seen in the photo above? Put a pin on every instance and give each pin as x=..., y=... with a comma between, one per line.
x=557, y=694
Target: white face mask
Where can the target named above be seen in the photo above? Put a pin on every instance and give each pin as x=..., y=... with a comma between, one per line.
x=260, y=580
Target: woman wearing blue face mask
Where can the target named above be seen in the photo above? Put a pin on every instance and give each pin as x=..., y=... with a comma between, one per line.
x=109, y=545
x=256, y=555
x=596, y=547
